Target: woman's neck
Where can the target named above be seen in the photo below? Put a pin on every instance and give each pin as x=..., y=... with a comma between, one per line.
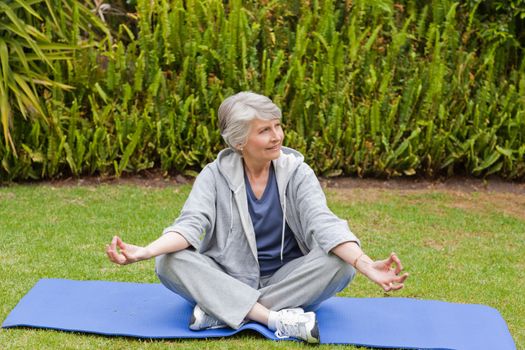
x=256, y=170
x=257, y=175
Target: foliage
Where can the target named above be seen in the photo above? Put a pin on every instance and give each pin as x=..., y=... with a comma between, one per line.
x=33, y=34
x=368, y=88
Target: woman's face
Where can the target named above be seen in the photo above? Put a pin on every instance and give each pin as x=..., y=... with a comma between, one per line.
x=264, y=140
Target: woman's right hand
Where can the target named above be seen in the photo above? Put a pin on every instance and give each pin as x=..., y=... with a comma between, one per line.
x=123, y=253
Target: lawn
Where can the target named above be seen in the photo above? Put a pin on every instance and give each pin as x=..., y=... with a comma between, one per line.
x=459, y=246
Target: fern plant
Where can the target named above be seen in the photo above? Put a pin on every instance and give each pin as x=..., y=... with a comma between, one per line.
x=33, y=35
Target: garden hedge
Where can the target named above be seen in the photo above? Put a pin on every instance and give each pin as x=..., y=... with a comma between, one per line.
x=368, y=88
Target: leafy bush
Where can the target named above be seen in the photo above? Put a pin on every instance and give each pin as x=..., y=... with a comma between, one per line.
x=368, y=88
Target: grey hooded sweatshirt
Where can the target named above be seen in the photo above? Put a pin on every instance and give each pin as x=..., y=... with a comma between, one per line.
x=215, y=218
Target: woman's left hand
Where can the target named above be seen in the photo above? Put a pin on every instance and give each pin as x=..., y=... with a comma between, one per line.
x=386, y=273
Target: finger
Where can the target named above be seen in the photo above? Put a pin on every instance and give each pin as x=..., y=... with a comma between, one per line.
x=388, y=286
x=112, y=255
x=110, y=251
x=127, y=257
x=393, y=282
x=121, y=243
x=393, y=286
x=398, y=282
x=397, y=286
x=388, y=261
x=402, y=278
x=395, y=259
x=114, y=242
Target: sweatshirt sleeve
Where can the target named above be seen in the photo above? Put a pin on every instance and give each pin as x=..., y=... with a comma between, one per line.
x=197, y=216
x=316, y=220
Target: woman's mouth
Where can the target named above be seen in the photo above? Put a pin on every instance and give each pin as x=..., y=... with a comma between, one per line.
x=274, y=148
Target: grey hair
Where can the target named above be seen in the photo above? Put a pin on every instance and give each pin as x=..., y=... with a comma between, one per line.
x=237, y=111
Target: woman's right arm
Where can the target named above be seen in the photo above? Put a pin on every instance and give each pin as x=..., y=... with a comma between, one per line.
x=197, y=217
x=123, y=253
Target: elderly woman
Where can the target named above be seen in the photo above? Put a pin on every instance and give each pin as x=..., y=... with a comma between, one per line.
x=255, y=240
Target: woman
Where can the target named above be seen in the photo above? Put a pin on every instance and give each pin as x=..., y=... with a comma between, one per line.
x=271, y=250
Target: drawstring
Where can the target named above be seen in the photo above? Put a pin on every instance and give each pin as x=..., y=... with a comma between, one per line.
x=283, y=229
x=231, y=212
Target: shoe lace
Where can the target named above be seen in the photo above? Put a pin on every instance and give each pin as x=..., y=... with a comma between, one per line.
x=290, y=325
x=210, y=321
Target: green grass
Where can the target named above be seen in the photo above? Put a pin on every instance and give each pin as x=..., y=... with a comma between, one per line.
x=465, y=248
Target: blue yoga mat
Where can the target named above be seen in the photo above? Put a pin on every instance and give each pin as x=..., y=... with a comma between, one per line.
x=151, y=311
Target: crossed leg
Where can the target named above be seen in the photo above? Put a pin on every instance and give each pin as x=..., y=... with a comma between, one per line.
x=304, y=282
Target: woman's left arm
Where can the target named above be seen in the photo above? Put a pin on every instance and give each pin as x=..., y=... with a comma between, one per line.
x=386, y=273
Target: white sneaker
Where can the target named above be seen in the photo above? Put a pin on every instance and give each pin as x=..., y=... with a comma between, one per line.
x=200, y=320
x=295, y=323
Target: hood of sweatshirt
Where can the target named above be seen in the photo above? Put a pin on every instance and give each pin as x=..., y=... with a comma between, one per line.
x=230, y=166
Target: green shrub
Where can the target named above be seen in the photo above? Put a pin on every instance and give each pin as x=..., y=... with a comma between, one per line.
x=368, y=88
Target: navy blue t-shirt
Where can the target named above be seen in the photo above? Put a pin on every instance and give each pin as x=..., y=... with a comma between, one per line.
x=267, y=218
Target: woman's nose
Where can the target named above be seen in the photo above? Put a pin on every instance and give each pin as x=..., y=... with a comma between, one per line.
x=276, y=136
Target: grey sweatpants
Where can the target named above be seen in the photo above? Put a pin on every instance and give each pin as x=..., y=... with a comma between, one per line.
x=304, y=282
